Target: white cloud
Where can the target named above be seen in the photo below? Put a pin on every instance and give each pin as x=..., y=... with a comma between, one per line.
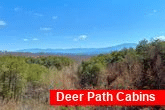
x=2, y=23
x=25, y=39
x=54, y=17
x=38, y=14
x=154, y=11
x=17, y=9
x=81, y=37
x=46, y=29
x=160, y=38
x=75, y=39
x=35, y=39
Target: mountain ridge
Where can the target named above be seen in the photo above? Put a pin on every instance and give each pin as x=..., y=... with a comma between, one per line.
x=80, y=50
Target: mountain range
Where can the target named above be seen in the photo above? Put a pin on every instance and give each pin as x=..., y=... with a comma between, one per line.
x=81, y=51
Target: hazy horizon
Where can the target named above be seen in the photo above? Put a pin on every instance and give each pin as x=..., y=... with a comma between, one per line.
x=74, y=48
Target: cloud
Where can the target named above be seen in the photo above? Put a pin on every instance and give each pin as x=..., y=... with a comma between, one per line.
x=154, y=11
x=38, y=14
x=25, y=39
x=54, y=17
x=2, y=23
x=75, y=39
x=160, y=38
x=46, y=29
x=35, y=39
x=81, y=37
x=17, y=9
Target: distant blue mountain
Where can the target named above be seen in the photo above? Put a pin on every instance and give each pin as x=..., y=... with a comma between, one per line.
x=81, y=51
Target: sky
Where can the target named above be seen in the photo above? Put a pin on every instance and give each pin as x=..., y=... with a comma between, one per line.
x=62, y=24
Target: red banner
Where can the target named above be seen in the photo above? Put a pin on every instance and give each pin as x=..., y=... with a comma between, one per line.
x=107, y=97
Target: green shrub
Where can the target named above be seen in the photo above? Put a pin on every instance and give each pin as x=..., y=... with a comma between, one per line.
x=49, y=61
x=14, y=75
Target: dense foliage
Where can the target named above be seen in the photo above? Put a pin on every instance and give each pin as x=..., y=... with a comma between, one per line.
x=16, y=73
x=49, y=61
x=146, y=53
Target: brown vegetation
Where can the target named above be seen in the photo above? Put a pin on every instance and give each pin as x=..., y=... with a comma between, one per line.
x=140, y=68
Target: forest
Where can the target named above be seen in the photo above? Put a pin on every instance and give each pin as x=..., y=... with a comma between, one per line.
x=25, y=81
